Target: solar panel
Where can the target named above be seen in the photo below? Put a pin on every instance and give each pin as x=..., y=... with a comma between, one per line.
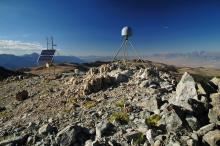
x=47, y=52
x=46, y=56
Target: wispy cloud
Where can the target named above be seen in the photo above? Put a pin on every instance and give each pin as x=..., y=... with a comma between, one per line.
x=165, y=27
x=18, y=47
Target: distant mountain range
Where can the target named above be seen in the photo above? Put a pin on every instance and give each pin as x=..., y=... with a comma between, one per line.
x=190, y=59
x=193, y=59
x=96, y=58
x=193, y=55
x=30, y=60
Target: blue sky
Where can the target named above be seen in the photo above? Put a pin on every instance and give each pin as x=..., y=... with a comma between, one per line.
x=92, y=27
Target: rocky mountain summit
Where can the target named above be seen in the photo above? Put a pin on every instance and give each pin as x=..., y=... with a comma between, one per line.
x=114, y=104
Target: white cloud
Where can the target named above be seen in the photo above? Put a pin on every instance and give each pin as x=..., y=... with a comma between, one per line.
x=18, y=47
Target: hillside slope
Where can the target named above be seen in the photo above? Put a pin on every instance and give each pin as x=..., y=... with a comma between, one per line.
x=110, y=104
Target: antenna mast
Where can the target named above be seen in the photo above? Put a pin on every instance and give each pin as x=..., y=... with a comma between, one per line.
x=47, y=42
x=52, y=44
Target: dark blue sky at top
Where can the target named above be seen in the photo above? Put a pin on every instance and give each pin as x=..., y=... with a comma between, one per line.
x=92, y=27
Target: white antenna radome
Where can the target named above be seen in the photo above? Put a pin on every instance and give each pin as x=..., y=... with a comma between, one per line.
x=126, y=32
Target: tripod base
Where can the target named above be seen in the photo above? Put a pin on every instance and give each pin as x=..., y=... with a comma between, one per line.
x=126, y=44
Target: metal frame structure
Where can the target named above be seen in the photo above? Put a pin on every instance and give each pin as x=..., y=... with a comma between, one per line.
x=126, y=44
x=47, y=56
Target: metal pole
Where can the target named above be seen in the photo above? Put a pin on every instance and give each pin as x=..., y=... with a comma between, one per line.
x=47, y=43
x=52, y=42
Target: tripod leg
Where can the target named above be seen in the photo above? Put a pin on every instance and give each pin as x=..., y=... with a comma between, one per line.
x=126, y=51
x=118, y=50
x=137, y=53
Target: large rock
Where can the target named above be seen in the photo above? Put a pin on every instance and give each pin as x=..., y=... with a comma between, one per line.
x=94, y=82
x=148, y=104
x=97, y=83
x=67, y=136
x=214, y=112
x=212, y=138
x=72, y=135
x=215, y=82
x=185, y=90
x=170, y=119
x=120, y=76
x=20, y=96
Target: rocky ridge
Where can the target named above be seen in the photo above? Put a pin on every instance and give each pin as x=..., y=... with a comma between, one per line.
x=113, y=104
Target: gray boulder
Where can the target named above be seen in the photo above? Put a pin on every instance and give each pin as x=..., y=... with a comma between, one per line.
x=214, y=112
x=72, y=135
x=214, y=82
x=171, y=120
x=148, y=104
x=67, y=136
x=184, y=91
